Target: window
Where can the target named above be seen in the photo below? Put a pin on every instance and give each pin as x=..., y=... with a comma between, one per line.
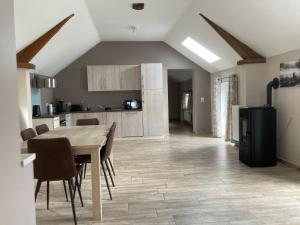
x=199, y=50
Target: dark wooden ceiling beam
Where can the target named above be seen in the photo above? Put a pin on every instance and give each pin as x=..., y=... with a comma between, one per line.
x=26, y=55
x=26, y=66
x=248, y=55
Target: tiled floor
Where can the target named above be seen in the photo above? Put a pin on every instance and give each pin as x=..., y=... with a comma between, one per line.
x=184, y=180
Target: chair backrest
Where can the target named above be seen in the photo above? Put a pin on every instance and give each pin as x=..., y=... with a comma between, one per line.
x=87, y=122
x=28, y=134
x=106, y=150
x=43, y=128
x=54, y=159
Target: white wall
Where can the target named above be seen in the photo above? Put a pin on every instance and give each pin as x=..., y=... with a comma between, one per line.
x=253, y=81
x=286, y=101
x=17, y=202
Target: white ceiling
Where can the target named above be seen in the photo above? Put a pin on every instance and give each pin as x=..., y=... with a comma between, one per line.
x=268, y=26
x=114, y=17
x=35, y=17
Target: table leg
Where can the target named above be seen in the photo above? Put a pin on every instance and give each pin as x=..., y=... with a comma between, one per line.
x=96, y=185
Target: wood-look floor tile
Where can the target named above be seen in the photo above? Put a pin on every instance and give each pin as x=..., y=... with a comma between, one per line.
x=183, y=180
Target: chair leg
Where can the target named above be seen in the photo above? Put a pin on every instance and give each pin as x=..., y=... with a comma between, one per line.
x=48, y=190
x=37, y=189
x=79, y=191
x=80, y=178
x=112, y=168
x=84, y=170
x=107, y=184
x=111, y=177
x=66, y=193
x=72, y=200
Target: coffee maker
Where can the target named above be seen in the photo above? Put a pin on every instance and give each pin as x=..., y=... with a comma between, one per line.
x=36, y=110
x=59, y=106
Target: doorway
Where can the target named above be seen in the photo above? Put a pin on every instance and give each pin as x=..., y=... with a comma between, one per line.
x=180, y=85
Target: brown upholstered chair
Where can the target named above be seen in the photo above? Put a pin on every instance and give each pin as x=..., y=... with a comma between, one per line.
x=40, y=129
x=87, y=122
x=105, y=157
x=27, y=134
x=54, y=162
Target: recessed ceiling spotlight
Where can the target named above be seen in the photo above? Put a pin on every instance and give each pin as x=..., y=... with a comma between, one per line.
x=138, y=6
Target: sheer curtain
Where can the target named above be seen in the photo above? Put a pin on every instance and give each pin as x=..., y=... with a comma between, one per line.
x=216, y=108
x=232, y=99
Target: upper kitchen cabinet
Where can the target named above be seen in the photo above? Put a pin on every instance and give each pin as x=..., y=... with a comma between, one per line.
x=103, y=78
x=130, y=77
x=114, y=78
x=152, y=76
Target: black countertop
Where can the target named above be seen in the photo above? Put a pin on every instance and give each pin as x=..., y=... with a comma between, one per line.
x=43, y=116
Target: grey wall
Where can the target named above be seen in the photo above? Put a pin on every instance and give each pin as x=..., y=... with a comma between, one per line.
x=46, y=97
x=72, y=84
x=17, y=201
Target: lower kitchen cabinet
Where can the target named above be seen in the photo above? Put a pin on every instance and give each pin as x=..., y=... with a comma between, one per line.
x=132, y=124
x=101, y=116
x=153, y=119
x=115, y=117
x=52, y=123
x=129, y=124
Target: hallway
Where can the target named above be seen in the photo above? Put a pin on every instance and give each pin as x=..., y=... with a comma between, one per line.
x=184, y=180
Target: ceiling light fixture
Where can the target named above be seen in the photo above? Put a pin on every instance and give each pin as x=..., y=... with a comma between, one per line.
x=138, y=6
x=133, y=29
x=200, y=50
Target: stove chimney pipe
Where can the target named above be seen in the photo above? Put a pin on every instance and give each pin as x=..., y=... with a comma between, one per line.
x=272, y=84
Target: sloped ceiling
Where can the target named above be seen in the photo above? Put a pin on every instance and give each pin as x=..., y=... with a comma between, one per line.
x=35, y=17
x=270, y=27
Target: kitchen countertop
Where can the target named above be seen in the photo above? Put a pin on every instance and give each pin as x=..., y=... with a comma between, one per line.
x=44, y=116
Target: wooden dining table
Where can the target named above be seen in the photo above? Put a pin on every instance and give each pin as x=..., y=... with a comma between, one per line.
x=85, y=140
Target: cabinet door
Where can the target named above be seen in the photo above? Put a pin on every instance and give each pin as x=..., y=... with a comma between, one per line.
x=48, y=121
x=95, y=78
x=153, y=118
x=130, y=77
x=115, y=117
x=132, y=124
x=75, y=117
x=111, y=76
x=103, y=78
x=68, y=120
x=152, y=76
x=56, y=122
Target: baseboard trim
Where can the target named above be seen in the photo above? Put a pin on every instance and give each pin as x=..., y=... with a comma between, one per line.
x=292, y=165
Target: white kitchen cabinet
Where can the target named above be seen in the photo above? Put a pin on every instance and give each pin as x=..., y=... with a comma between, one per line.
x=52, y=123
x=115, y=117
x=101, y=116
x=152, y=76
x=68, y=118
x=130, y=77
x=153, y=119
x=153, y=99
x=132, y=124
x=103, y=78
